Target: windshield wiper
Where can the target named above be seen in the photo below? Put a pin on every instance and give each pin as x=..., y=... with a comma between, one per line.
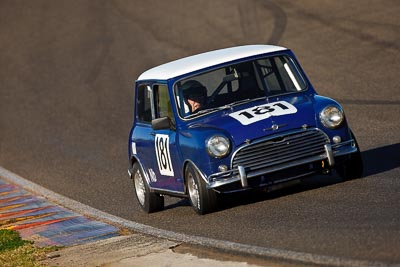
x=208, y=110
x=227, y=106
x=202, y=111
x=243, y=101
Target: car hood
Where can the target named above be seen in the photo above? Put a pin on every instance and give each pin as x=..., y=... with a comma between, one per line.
x=258, y=119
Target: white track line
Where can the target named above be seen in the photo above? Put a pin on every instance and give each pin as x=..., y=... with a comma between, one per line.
x=196, y=240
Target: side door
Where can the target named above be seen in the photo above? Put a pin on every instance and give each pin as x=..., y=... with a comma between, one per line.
x=166, y=164
x=142, y=140
x=156, y=150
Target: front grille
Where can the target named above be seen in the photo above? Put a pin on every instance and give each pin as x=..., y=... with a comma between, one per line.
x=281, y=150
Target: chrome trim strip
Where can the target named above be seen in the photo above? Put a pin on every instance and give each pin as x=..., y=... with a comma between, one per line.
x=136, y=159
x=168, y=192
x=197, y=169
x=154, y=189
x=329, y=154
x=332, y=151
x=346, y=151
x=217, y=183
x=153, y=111
x=243, y=176
x=285, y=166
x=275, y=136
x=344, y=148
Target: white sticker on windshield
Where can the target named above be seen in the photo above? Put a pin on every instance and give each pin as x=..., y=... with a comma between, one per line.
x=258, y=113
x=163, y=155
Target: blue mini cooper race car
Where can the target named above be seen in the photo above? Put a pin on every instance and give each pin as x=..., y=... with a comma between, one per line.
x=229, y=120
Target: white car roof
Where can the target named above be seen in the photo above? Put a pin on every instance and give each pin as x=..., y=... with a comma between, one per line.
x=197, y=62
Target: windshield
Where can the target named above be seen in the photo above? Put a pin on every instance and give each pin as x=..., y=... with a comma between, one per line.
x=238, y=83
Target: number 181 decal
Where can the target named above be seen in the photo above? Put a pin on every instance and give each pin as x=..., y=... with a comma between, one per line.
x=258, y=113
x=163, y=155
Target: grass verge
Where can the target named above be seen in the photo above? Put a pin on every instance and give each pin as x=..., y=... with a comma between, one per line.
x=17, y=252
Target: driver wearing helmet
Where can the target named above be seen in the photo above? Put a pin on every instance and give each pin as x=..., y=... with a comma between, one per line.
x=195, y=95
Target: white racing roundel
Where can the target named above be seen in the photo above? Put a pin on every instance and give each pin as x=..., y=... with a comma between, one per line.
x=262, y=112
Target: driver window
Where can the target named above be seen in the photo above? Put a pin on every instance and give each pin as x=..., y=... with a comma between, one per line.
x=162, y=103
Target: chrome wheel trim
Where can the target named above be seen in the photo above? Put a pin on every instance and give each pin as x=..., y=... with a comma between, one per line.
x=139, y=187
x=193, y=192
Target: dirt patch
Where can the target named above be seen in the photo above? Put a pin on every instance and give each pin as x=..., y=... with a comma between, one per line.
x=215, y=254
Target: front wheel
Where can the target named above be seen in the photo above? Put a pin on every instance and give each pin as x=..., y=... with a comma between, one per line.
x=353, y=167
x=203, y=200
x=148, y=201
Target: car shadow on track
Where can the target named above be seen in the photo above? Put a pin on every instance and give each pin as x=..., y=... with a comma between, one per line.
x=381, y=159
x=377, y=160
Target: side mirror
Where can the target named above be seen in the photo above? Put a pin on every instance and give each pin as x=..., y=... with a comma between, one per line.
x=161, y=123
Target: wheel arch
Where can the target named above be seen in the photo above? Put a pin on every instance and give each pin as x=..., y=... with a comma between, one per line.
x=134, y=160
x=186, y=163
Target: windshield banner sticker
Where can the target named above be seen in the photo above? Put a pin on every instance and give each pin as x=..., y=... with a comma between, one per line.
x=258, y=113
x=163, y=155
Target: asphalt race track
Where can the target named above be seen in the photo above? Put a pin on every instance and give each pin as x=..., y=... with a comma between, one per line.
x=67, y=70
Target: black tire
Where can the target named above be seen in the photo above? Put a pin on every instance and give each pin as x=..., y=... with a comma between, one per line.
x=203, y=200
x=353, y=167
x=148, y=201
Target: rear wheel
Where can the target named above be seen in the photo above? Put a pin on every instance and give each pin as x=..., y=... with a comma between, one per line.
x=203, y=200
x=148, y=201
x=353, y=167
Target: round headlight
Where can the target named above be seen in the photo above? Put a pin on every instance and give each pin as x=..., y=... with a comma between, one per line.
x=331, y=117
x=218, y=146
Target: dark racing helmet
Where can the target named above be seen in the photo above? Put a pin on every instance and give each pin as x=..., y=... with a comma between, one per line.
x=193, y=89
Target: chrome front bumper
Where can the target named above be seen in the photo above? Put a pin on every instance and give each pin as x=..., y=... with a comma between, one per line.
x=240, y=174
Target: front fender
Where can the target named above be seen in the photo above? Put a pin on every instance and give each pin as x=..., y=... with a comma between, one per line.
x=193, y=148
x=320, y=102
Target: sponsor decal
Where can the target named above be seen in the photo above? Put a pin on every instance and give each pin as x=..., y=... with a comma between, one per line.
x=262, y=112
x=153, y=177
